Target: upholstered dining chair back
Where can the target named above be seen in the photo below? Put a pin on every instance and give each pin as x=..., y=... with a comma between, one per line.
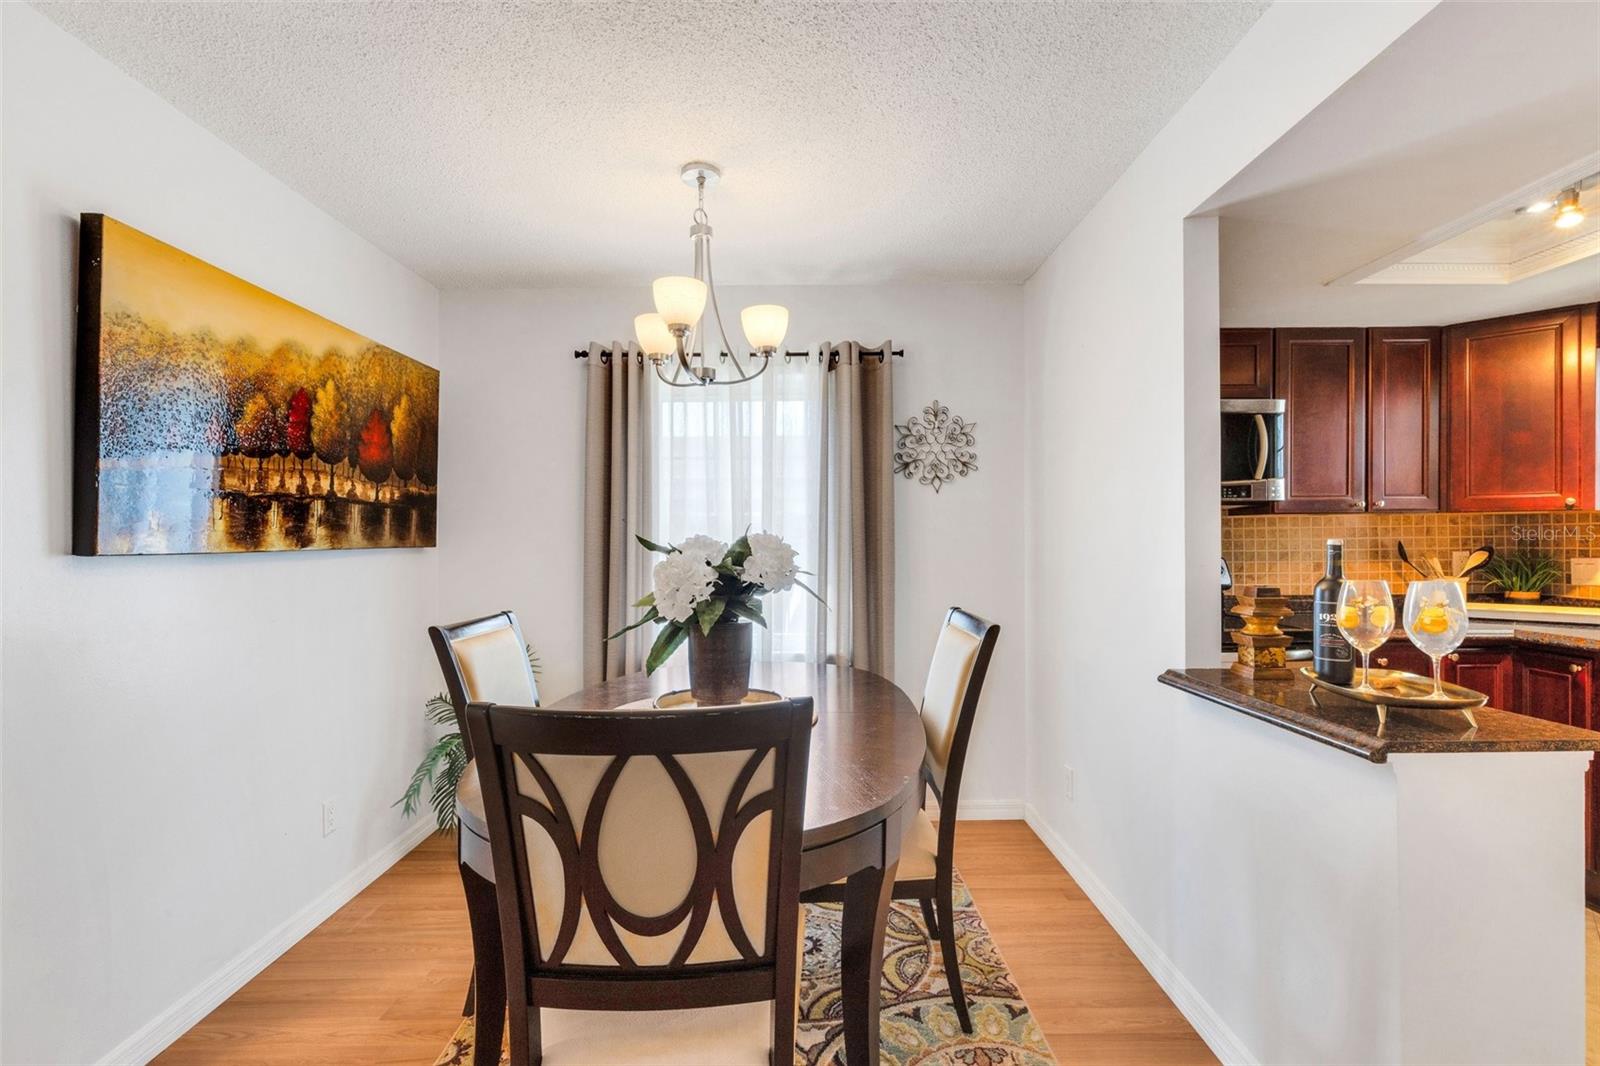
x=485, y=659
x=950, y=696
x=647, y=860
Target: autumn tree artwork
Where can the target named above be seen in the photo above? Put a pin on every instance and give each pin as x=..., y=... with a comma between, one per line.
x=214, y=416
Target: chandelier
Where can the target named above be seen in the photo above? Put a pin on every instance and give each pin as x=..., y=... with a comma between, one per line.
x=674, y=334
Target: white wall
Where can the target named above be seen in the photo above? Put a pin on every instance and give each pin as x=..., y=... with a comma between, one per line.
x=1116, y=353
x=171, y=725
x=512, y=459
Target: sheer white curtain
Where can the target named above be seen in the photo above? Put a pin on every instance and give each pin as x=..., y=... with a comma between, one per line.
x=746, y=456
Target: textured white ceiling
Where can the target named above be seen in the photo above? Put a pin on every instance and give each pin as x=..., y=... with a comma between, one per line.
x=516, y=144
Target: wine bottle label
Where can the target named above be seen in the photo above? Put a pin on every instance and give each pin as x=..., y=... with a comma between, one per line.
x=1331, y=645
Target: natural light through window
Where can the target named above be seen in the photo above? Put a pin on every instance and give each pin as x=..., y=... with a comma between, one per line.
x=747, y=456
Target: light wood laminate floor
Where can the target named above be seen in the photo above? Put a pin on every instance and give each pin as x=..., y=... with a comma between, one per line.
x=1591, y=958
x=383, y=979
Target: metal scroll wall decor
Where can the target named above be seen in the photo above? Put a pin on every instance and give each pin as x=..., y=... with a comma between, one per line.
x=936, y=446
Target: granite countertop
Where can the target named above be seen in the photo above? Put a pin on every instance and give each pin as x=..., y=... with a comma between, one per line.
x=1579, y=638
x=1352, y=726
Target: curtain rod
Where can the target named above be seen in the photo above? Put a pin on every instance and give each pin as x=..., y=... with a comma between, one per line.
x=899, y=353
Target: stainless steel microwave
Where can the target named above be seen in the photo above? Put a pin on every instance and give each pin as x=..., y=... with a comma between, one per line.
x=1252, y=450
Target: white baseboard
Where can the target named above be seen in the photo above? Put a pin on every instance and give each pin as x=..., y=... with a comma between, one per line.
x=989, y=810
x=157, y=1034
x=1219, y=1037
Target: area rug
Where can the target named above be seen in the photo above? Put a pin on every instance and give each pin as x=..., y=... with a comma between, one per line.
x=918, y=1026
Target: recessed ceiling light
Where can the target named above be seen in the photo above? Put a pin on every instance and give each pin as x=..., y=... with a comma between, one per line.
x=1568, y=213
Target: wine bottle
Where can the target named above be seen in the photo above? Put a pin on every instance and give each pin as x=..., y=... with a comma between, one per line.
x=1331, y=655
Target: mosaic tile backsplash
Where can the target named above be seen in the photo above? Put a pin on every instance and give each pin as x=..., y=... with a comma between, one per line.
x=1286, y=550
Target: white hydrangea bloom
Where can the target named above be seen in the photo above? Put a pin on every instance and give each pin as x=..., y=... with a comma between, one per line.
x=681, y=582
x=701, y=546
x=771, y=564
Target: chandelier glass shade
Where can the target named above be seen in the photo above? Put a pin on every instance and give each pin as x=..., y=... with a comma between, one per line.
x=676, y=334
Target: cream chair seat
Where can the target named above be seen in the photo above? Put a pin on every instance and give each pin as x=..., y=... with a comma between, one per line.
x=733, y=1035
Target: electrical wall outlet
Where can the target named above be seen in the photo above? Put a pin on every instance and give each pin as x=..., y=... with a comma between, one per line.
x=329, y=822
x=1067, y=780
x=1585, y=572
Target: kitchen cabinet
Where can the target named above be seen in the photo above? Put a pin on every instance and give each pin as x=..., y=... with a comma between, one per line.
x=1398, y=653
x=1246, y=364
x=1555, y=687
x=1487, y=670
x=1322, y=374
x=1520, y=408
x=1405, y=368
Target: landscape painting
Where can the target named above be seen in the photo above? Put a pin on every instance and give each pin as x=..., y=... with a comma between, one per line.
x=213, y=416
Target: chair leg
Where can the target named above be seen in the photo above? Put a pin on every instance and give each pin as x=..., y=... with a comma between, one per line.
x=947, y=945
x=929, y=918
x=488, y=992
x=468, y=1008
x=526, y=1047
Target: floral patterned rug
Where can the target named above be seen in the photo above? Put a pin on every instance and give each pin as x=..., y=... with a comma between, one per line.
x=919, y=1026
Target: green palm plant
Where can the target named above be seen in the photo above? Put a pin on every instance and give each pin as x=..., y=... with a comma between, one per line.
x=1523, y=571
x=445, y=761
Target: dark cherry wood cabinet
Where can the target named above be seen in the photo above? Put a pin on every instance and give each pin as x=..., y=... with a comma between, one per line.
x=1246, y=364
x=1405, y=368
x=1555, y=687
x=1398, y=653
x=1322, y=374
x=1488, y=671
x=1520, y=409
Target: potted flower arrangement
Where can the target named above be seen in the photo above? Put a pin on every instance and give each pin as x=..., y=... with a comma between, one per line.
x=1522, y=576
x=708, y=593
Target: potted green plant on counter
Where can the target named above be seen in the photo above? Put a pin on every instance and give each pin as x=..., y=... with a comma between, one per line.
x=1522, y=576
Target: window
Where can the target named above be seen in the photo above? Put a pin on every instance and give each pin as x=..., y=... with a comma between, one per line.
x=745, y=456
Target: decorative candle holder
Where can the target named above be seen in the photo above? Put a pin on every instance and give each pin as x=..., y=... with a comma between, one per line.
x=1263, y=647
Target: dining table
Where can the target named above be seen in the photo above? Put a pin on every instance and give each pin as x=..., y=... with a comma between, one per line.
x=863, y=785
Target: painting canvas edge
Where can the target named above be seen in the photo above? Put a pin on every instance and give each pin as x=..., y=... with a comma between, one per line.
x=86, y=390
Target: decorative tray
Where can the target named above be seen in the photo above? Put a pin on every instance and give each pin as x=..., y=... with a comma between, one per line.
x=1398, y=688
x=681, y=698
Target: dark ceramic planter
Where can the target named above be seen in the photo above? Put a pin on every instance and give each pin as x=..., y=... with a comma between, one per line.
x=719, y=663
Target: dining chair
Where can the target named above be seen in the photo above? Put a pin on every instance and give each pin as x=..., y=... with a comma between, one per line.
x=647, y=865
x=484, y=659
x=927, y=858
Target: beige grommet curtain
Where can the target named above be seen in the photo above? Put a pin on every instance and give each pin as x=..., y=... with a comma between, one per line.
x=616, y=505
x=856, y=507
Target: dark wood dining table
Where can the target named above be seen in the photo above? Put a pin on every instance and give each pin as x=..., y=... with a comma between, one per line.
x=861, y=791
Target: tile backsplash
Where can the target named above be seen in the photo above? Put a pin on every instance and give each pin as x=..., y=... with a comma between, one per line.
x=1286, y=550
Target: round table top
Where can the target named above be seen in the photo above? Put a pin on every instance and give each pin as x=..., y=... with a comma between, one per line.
x=866, y=748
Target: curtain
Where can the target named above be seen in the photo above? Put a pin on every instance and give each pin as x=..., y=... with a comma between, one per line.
x=804, y=451
x=855, y=508
x=746, y=456
x=616, y=505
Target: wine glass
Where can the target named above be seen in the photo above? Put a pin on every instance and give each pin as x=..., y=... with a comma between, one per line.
x=1366, y=618
x=1436, y=621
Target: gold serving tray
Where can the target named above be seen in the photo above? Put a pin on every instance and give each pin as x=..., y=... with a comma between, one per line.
x=682, y=699
x=1398, y=688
